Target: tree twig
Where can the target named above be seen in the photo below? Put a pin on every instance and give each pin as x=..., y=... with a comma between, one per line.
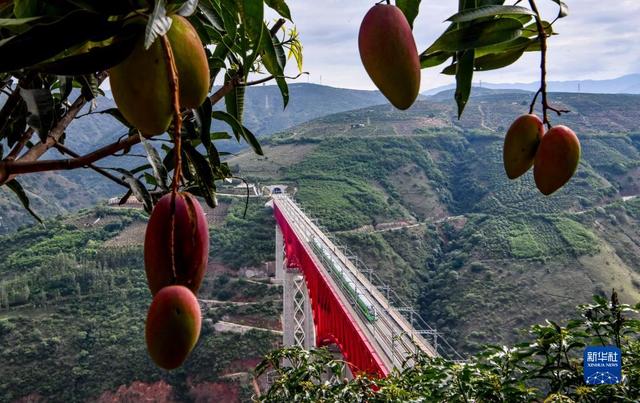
x=101, y=171
x=542, y=37
x=174, y=84
x=26, y=136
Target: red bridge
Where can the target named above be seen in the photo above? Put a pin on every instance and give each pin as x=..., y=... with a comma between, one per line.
x=329, y=300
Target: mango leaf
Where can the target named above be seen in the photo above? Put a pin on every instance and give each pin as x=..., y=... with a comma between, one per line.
x=40, y=106
x=520, y=42
x=234, y=102
x=464, y=79
x=158, y=24
x=97, y=58
x=205, y=176
x=212, y=16
x=188, y=8
x=45, y=41
x=220, y=136
x=16, y=188
x=274, y=60
x=17, y=23
x=434, y=59
x=409, y=8
x=25, y=8
x=252, y=14
x=531, y=30
x=564, y=9
x=159, y=170
x=239, y=130
x=478, y=35
x=284, y=89
x=89, y=86
x=482, y=3
x=138, y=188
x=488, y=11
x=280, y=7
x=491, y=61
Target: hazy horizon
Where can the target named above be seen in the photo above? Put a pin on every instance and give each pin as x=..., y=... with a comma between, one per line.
x=329, y=36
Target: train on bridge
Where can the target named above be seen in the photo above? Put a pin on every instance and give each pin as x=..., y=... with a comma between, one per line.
x=345, y=279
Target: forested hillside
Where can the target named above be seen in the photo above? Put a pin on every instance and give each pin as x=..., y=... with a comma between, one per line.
x=73, y=302
x=423, y=199
x=64, y=192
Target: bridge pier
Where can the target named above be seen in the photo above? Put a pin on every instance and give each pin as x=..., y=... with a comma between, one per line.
x=279, y=255
x=297, y=318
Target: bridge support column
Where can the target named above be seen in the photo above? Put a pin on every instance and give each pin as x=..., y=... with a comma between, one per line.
x=279, y=255
x=297, y=317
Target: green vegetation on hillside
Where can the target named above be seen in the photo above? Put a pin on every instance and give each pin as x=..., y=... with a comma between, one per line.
x=72, y=316
x=482, y=251
x=548, y=367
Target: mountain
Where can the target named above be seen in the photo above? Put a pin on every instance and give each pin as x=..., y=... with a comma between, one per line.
x=628, y=84
x=422, y=198
x=73, y=303
x=63, y=192
x=418, y=195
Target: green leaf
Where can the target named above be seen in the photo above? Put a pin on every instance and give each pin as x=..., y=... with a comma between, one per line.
x=564, y=9
x=97, y=58
x=25, y=8
x=40, y=105
x=188, y=8
x=159, y=171
x=158, y=25
x=239, y=130
x=205, y=177
x=274, y=60
x=44, y=41
x=16, y=188
x=284, y=89
x=434, y=59
x=280, y=7
x=252, y=14
x=138, y=188
x=409, y=8
x=212, y=16
x=15, y=23
x=478, y=35
x=220, y=136
x=488, y=11
x=234, y=102
x=464, y=78
x=531, y=30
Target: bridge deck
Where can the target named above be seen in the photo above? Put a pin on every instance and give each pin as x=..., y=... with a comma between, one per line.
x=390, y=333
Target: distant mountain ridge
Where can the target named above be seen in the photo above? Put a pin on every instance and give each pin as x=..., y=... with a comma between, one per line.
x=628, y=84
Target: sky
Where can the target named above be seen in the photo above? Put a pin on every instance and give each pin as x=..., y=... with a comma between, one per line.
x=600, y=39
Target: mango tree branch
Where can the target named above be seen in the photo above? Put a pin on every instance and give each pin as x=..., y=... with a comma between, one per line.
x=101, y=171
x=30, y=163
x=17, y=148
x=542, y=37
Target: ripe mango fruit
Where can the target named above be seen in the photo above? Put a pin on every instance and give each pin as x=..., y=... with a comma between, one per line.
x=521, y=144
x=557, y=159
x=191, y=244
x=389, y=54
x=173, y=326
x=140, y=84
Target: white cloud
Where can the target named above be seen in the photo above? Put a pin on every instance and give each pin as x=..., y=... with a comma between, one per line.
x=598, y=40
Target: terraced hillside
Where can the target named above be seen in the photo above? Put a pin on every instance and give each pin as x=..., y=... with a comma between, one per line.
x=73, y=302
x=423, y=199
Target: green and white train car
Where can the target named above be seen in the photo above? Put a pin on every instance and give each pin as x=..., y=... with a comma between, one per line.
x=345, y=279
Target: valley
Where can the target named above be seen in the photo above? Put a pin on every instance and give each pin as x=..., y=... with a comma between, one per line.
x=419, y=196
